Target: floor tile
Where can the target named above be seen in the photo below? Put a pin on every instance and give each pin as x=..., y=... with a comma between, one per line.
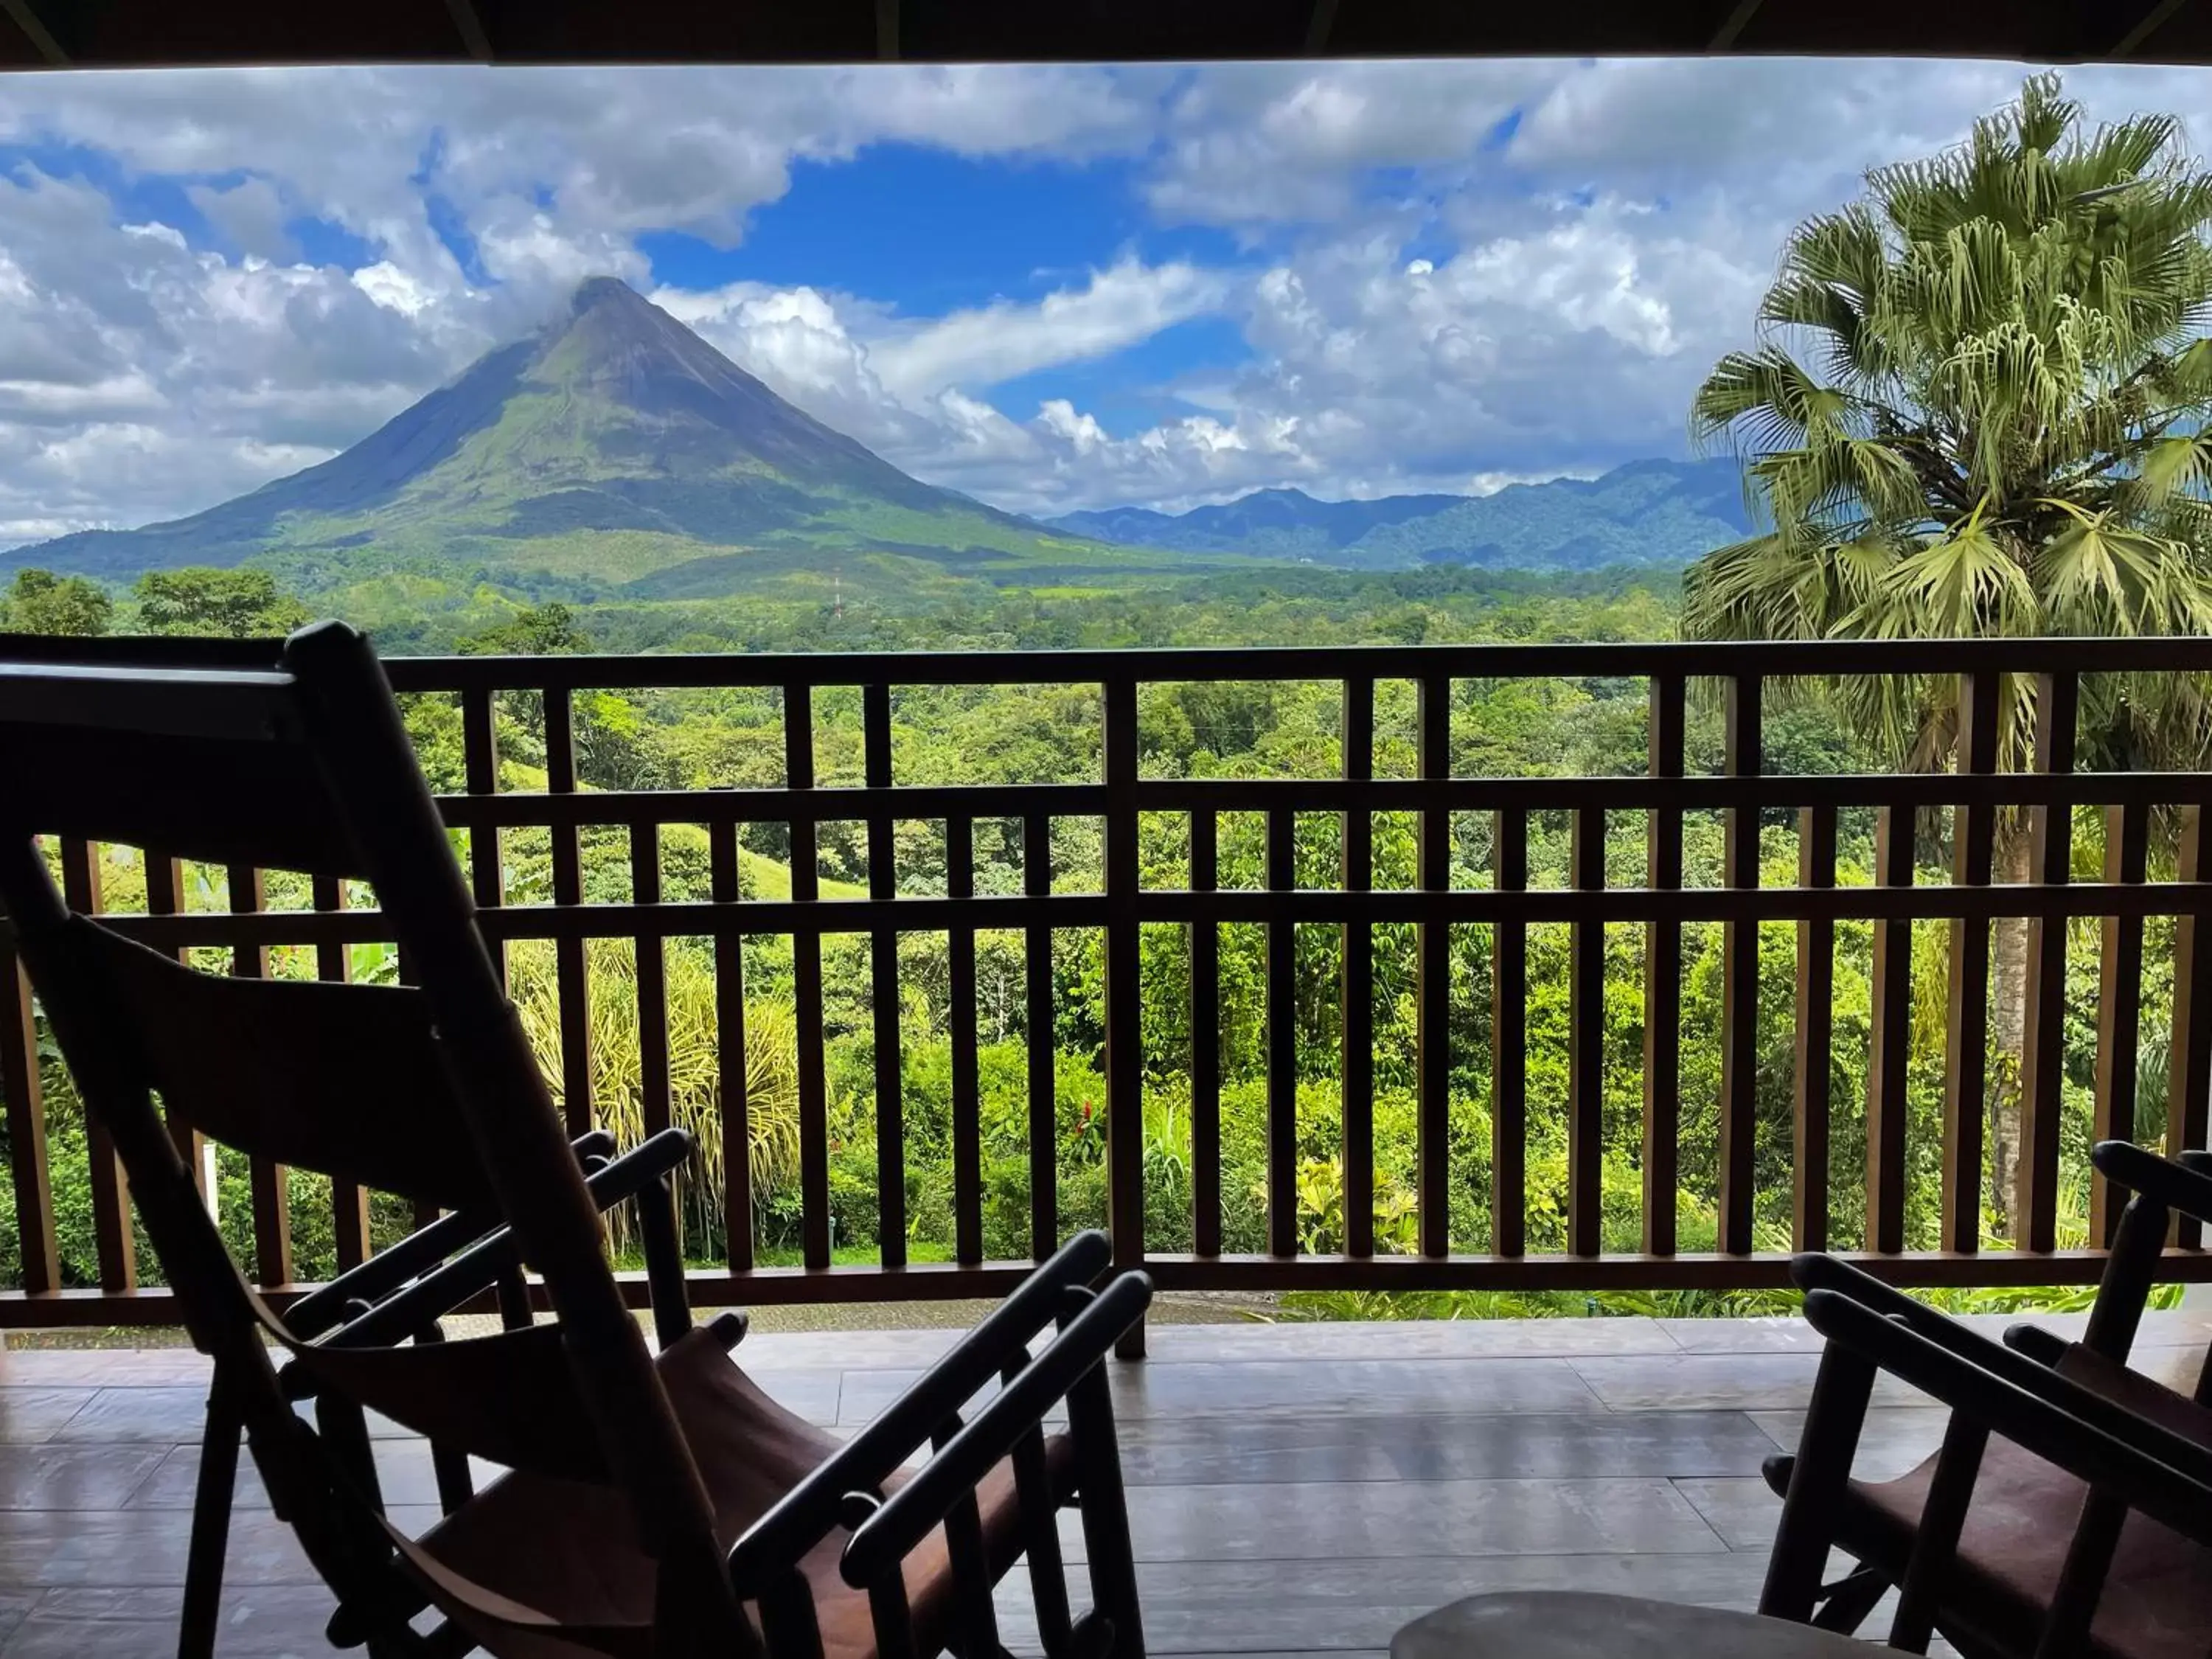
x=1321, y=1387
x=1758, y=1382
x=1894, y=1439
x=1743, y=1512
x=1383, y=1520
x=30, y=1415
x=1428, y=1339
x=258, y=1622
x=170, y=1415
x=405, y=1473
x=70, y=1477
x=1169, y=1450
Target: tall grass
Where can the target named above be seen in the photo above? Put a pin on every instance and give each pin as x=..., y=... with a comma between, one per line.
x=695, y=1086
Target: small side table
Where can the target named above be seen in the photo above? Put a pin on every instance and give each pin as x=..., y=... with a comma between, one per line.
x=1572, y=1624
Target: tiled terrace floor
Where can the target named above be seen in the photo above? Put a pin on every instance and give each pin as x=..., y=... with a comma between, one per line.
x=1294, y=1488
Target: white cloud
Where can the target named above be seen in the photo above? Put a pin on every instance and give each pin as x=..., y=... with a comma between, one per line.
x=1445, y=275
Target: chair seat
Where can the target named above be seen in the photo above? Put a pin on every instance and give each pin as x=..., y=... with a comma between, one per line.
x=565, y=1554
x=2157, y=1600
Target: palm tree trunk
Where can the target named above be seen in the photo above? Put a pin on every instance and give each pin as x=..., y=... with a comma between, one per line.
x=2009, y=1029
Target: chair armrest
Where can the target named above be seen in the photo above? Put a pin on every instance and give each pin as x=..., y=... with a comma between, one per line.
x=2017, y=1369
x=804, y=1515
x=2136, y=1464
x=2182, y=1184
x=477, y=1268
x=325, y=1309
x=879, y=1543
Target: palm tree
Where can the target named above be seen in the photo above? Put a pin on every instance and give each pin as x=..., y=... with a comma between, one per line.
x=1979, y=407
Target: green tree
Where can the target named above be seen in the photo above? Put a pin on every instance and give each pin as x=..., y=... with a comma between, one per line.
x=199, y=599
x=40, y=602
x=546, y=630
x=1980, y=408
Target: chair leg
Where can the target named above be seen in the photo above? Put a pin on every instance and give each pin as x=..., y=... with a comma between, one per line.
x=1105, y=1511
x=1847, y=1601
x=210, y=1538
x=1841, y=1390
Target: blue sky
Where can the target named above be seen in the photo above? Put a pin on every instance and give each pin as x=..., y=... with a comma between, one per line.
x=1052, y=287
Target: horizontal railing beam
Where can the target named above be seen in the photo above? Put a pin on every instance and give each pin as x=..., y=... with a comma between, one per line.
x=1779, y=659
x=946, y=1281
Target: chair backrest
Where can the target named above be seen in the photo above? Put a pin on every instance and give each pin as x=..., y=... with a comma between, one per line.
x=295, y=757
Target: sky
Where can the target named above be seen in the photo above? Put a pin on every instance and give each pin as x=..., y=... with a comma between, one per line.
x=1054, y=287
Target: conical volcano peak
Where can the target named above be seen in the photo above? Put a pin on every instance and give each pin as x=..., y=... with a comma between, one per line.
x=604, y=290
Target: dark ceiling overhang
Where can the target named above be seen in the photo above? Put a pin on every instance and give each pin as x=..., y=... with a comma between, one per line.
x=123, y=34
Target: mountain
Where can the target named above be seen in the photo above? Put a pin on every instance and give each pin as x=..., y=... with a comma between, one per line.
x=1660, y=512
x=614, y=445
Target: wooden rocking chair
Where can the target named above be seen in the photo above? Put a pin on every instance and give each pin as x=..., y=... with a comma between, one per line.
x=656, y=1505
x=2069, y=1509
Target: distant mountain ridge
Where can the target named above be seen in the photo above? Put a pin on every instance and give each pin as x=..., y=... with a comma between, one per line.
x=1653, y=512
x=614, y=445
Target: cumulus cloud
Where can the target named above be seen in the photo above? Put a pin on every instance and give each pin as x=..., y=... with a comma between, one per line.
x=1442, y=275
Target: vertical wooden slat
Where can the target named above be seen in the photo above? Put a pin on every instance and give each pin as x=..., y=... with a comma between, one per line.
x=1432, y=972
x=1739, y=1102
x=165, y=896
x=27, y=1125
x=1811, y=1113
x=1357, y=947
x=1282, y=1045
x=1586, y=1044
x=480, y=762
x=2043, y=1054
x=806, y=988
x=349, y=1202
x=269, y=1183
x=2188, y=1074
x=653, y=1086
x=570, y=965
x=967, y=1094
x=1037, y=954
x=114, y=1243
x=1205, y=1043
x=1509, y=1048
x=1662, y=978
x=1125, y=1044
x=883, y=986
x=2120, y=1009
x=735, y=1104
x=1965, y=1056
x=1889, y=1051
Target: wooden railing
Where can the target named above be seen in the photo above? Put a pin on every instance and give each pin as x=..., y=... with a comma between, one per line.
x=2143, y=811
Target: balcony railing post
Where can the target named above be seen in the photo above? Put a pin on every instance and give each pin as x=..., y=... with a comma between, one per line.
x=571, y=964
x=815, y=1242
x=27, y=1125
x=1357, y=947
x=726, y=888
x=1432, y=969
x=2043, y=1054
x=1815, y=1025
x=1125, y=1046
x=1282, y=980
x=883, y=985
x=1508, y=1053
x=269, y=1183
x=1889, y=1050
x=480, y=763
x=2120, y=1009
x=1043, y=1087
x=1205, y=1043
x=350, y=1231
x=1966, y=1058
x=1586, y=1043
x=2188, y=1063
x=114, y=1243
x=1662, y=976
x=961, y=1015
x=1739, y=1105
x=165, y=896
